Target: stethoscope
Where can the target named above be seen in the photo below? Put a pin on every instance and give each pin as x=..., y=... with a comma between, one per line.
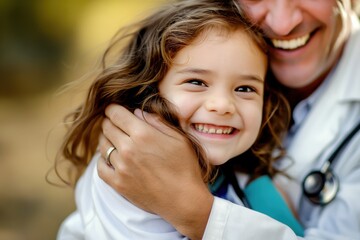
x=321, y=186
x=230, y=175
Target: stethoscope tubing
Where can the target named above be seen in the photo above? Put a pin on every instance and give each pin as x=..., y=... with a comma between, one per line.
x=321, y=186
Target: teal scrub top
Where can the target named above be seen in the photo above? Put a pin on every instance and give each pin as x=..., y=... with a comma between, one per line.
x=263, y=197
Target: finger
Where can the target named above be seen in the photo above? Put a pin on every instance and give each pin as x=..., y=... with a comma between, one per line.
x=105, y=172
x=114, y=136
x=123, y=118
x=155, y=121
x=104, y=146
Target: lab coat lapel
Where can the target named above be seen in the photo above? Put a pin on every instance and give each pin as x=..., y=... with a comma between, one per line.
x=326, y=115
x=323, y=120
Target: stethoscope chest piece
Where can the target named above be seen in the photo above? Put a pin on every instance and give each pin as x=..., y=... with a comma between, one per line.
x=320, y=187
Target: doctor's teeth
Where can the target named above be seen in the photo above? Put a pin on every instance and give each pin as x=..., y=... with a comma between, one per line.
x=291, y=44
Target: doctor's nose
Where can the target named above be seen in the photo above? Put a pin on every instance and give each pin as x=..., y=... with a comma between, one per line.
x=220, y=105
x=283, y=16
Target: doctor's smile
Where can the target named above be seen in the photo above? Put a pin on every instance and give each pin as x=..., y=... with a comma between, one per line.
x=290, y=44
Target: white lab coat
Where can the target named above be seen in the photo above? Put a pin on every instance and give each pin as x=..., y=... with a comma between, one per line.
x=335, y=112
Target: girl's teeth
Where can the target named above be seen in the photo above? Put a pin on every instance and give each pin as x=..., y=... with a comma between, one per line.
x=212, y=130
x=291, y=44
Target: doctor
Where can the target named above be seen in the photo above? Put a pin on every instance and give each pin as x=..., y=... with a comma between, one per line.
x=315, y=56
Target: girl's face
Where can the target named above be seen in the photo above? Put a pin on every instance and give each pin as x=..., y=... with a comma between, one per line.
x=217, y=85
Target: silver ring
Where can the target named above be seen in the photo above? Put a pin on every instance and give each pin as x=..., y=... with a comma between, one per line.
x=108, y=153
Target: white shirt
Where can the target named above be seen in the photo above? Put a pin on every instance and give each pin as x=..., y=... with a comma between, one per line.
x=102, y=214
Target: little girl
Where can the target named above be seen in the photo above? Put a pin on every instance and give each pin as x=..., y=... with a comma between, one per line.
x=201, y=67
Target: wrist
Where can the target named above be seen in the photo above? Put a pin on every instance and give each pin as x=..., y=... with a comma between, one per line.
x=193, y=211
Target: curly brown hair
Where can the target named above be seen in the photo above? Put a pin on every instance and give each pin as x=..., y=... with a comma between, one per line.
x=131, y=80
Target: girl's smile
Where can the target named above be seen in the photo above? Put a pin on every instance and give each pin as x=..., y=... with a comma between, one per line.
x=213, y=129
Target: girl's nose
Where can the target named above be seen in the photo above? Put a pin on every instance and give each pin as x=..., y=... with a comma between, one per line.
x=283, y=16
x=221, y=105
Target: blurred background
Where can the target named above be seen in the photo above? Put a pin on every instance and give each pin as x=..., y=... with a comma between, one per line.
x=45, y=44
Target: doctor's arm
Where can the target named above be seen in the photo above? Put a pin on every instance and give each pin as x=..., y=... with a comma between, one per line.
x=157, y=170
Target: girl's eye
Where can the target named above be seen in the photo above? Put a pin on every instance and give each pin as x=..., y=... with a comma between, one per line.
x=196, y=82
x=245, y=89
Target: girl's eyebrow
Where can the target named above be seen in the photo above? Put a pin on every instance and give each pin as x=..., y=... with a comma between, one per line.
x=194, y=70
x=205, y=71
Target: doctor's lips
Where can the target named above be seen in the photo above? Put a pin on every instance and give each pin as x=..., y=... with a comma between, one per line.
x=213, y=129
x=291, y=44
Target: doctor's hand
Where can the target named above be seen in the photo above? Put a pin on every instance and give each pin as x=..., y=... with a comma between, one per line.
x=155, y=168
